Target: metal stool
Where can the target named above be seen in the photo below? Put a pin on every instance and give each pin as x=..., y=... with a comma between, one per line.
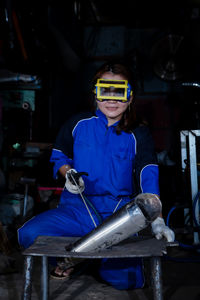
x=46, y=246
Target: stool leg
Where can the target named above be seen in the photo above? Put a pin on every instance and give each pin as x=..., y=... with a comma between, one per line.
x=45, y=279
x=156, y=278
x=28, y=266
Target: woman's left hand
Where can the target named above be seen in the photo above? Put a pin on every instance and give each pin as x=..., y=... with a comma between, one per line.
x=160, y=230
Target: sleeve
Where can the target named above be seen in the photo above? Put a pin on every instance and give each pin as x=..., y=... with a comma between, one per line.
x=62, y=152
x=146, y=170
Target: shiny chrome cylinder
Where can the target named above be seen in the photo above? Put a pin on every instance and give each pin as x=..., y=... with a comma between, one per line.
x=130, y=219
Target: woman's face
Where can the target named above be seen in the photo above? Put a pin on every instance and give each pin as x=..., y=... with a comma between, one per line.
x=112, y=109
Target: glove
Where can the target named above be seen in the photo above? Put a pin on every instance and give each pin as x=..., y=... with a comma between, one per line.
x=74, y=182
x=160, y=230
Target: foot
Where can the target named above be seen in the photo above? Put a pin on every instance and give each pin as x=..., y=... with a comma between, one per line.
x=63, y=272
x=58, y=273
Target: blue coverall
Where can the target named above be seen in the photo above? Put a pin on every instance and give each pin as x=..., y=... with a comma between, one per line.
x=119, y=166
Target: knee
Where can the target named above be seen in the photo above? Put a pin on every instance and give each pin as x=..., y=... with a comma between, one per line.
x=26, y=236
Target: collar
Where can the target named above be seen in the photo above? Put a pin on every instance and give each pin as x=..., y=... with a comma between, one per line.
x=103, y=118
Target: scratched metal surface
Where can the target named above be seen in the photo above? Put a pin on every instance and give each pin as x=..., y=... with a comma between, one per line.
x=132, y=247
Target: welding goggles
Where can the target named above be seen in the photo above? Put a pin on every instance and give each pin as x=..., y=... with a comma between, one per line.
x=118, y=90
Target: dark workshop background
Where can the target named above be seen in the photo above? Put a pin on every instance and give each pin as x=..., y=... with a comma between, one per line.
x=49, y=51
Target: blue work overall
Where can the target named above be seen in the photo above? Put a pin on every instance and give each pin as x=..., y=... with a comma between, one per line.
x=112, y=162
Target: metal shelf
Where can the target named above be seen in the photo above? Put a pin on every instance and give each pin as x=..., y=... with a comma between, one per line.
x=189, y=151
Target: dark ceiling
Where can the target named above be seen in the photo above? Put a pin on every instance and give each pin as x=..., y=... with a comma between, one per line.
x=26, y=35
x=138, y=14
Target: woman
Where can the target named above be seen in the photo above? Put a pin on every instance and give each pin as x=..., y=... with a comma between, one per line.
x=117, y=155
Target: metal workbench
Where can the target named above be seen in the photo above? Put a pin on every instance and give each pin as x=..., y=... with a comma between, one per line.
x=46, y=246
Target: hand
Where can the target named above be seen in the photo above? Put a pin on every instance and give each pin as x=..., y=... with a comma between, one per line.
x=160, y=230
x=74, y=182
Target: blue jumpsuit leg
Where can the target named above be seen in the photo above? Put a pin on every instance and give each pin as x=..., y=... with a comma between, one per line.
x=54, y=222
x=123, y=273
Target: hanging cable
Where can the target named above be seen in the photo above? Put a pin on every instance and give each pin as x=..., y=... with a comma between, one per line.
x=94, y=209
x=80, y=193
x=167, y=223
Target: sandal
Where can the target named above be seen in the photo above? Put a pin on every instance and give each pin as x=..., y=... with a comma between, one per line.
x=61, y=268
x=68, y=267
x=60, y=276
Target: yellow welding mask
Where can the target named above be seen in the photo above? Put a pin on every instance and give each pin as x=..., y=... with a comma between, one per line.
x=118, y=90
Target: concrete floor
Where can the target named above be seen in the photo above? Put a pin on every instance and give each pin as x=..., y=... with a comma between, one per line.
x=181, y=281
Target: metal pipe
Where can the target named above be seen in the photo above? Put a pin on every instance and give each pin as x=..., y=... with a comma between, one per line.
x=193, y=84
x=25, y=200
x=156, y=278
x=44, y=279
x=27, y=289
